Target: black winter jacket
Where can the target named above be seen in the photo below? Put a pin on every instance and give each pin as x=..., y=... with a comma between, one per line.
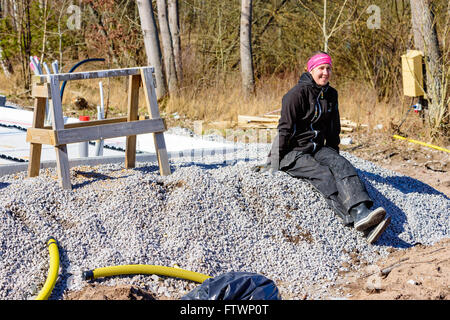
x=309, y=118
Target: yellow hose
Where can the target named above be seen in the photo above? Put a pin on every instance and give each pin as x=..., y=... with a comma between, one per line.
x=421, y=143
x=52, y=271
x=145, y=269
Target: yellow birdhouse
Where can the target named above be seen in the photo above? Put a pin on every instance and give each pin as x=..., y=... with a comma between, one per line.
x=412, y=73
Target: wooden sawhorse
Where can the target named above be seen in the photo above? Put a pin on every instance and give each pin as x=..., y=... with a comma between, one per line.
x=60, y=134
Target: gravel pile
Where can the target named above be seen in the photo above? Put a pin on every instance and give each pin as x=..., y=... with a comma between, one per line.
x=209, y=216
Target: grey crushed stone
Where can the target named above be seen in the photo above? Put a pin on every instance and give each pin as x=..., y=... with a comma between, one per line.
x=208, y=216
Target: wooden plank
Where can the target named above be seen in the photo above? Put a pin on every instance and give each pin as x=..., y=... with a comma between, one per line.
x=62, y=159
x=275, y=116
x=90, y=123
x=153, y=109
x=48, y=136
x=63, y=167
x=243, y=119
x=271, y=122
x=133, y=106
x=90, y=74
x=348, y=123
x=259, y=125
x=35, y=148
x=41, y=136
x=56, y=105
x=161, y=153
x=107, y=131
x=150, y=93
x=41, y=91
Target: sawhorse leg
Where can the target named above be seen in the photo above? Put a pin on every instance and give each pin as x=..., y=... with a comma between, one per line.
x=62, y=159
x=133, y=106
x=152, y=105
x=35, y=148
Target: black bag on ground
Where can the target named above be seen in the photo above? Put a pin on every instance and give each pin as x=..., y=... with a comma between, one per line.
x=235, y=286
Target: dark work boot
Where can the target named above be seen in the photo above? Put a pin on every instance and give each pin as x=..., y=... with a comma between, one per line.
x=373, y=233
x=365, y=218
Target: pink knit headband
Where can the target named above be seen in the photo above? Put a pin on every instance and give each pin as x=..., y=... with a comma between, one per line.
x=317, y=60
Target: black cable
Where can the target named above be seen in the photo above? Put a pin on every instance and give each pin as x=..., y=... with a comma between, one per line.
x=406, y=115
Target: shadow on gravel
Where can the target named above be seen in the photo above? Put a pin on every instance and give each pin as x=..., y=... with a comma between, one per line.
x=406, y=184
x=149, y=169
x=399, y=219
x=217, y=165
x=93, y=176
x=205, y=166
x=3, y=185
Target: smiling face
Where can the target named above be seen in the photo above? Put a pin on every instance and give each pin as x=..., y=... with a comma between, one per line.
x=321, y=74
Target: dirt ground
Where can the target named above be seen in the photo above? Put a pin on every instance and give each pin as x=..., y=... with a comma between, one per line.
x=418, y=273
x=425, y=164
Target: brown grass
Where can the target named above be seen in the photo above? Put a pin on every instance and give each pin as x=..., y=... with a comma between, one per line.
x=224, y=100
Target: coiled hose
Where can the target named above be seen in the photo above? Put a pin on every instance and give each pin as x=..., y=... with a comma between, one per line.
x=144, y=269
x=52, y=275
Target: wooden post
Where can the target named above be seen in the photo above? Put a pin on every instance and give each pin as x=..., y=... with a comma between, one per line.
x=152, y=105
x=35, y=148
x=62, y=159
x=133, y=106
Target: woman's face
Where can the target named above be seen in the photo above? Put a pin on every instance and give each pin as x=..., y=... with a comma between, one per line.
x=321, y=74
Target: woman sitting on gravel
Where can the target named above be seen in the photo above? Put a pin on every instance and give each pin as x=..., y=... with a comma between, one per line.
x=307, y=146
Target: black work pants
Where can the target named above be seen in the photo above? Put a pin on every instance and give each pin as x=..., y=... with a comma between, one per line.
x=332, y=175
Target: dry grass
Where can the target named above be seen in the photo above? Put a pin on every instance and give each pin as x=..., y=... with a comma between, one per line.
x=115, y=96
x=359, y=103
x=12, y=88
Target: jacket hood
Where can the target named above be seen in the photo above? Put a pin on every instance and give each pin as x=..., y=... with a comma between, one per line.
x=307, y=80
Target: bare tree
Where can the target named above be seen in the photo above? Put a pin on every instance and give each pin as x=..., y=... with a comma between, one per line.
x=174, y=25
x=3, y=8
x=248, y=80
x=103, y=30
x=4, y=61
x=61, y=30
x=24, y=38
x=169, y=61
x=151, y=42
x=323, y=24
x=5, y=64
x=44, y=6
x=426, y=40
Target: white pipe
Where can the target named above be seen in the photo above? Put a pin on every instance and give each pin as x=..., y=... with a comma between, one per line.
x=33, y=66
x=100, y=115
x=46, y=68
x=55, y=66
x=102, y=105
x=83, y=147
x=36, y=60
